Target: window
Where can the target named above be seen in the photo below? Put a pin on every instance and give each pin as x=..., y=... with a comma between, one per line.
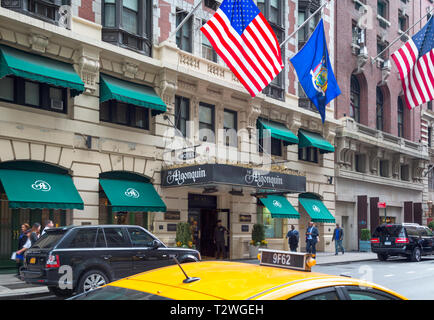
x=206, y=122
x=124, y=114
x=381, y=46
x=273, y=12
x=33, y=94
x=355, y=99
x=208, y=51
x=318, y=295
x=116, y=238
x=431, y=180
x=46, y=10
x=140, y=238
x=360, y=163
x=309, y=154
x=84, y=238
x=212, y=4
x=356, y=37
x=383, y=12
x=402, y=21
x=127, y=23
x=380, y=109
x=368, y=294
x=429, y=136
x=384, y=168
x=273, y=227
x=429, y=105
x=184, y=35
x=230, y=128
x=400, y=117
x=182, y=114
x=405, y=172
x=100, y=239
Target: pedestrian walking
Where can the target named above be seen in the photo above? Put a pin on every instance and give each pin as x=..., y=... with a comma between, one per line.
x=338, y=236
x=312, y=235
x=19, y=257
x=293, y=237
x=35, y=232
x=48, y=225
x=219, y=240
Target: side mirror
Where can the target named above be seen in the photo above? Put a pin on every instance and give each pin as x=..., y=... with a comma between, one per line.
x=156, y=244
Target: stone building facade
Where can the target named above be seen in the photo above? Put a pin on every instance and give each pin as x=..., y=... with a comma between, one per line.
x=88, y=142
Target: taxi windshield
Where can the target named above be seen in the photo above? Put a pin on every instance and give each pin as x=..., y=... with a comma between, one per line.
x=116, y=293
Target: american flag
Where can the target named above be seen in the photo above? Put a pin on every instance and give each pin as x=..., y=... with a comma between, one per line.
x=242, y=37
x=415, y=62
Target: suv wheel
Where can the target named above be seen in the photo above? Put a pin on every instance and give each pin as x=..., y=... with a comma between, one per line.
x=91, y=280
x=382, y=256
x=61, y=293
x=416, y=255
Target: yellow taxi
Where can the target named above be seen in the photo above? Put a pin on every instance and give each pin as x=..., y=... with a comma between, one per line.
x=279, y=276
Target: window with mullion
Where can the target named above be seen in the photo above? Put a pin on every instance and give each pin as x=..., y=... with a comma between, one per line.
x=124, y=114
x=380, y=109
x=184, y=34
x=130, y=14
x=182, y=114
x=355, y=99
x=309, y=154
x=400, y=118
x=230, y=128
x=206, y=122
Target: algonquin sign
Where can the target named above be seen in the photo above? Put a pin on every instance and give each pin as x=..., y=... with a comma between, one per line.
x=232, y=175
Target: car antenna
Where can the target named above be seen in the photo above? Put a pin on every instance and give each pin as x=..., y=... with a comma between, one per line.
x=187, y=278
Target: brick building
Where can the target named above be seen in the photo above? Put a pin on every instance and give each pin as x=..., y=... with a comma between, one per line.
x=381, y=145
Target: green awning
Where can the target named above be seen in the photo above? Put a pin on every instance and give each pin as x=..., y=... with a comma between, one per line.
x=280, y=207
x=278, y=131
x=40, y=190
x=310, y=139
x=41, y=69
x=316, y=210
x=129, y=92
x=132, y=196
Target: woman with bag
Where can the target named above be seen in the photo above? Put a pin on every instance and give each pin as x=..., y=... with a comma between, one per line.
x=35, y=232
x=19, y=255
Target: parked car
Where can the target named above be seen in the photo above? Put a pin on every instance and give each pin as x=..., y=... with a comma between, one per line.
x=407, y=239
x=77, y=259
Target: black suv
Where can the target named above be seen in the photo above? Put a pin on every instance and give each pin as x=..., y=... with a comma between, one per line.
x=77, y=259
x=407, y=239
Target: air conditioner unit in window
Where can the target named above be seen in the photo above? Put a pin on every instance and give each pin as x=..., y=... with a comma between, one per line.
x=56, y=104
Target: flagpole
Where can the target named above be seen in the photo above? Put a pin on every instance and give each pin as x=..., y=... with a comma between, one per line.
x=399, y=37
x=305, y=22
x=185, y=20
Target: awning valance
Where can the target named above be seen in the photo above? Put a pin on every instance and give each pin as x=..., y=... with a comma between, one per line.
x=278, y=131
x=129, y=92
x=316, y=209
x=311, y=139
x=280, y=207
x=40, y=190
x=41, y=69
x=132, y=196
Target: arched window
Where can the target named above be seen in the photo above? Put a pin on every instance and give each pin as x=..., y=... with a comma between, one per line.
x=355, y=99
x=380, y=103
x=400, y=117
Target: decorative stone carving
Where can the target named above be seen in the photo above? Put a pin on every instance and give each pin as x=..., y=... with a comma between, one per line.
x=385, y=72
x=38, y=42
x=88, y=69
x=345, y=151
x=362, y=59
x=397, y=161
x=254, y=110
x=374, y=158
x=167, y=87
x=419, y=166
x=130, y=70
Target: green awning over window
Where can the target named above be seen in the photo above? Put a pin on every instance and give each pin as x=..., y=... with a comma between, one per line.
x=316, y=210
x=41, y=69
x=40, y=190
x=129, y=92
x=310, y=139
x=280, y=207
x=278, y=131
x=132, y=196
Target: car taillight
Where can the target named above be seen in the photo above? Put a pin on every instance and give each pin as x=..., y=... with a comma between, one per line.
x=375, y=240
x=52, y=261
x=402, y=240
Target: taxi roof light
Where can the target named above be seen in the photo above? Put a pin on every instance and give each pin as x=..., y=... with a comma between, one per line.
x=286, y=259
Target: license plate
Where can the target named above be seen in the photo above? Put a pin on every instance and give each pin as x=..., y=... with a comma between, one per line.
x=32, y=260
x=387, y=243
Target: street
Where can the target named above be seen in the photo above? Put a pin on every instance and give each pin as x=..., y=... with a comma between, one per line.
x=414, y=280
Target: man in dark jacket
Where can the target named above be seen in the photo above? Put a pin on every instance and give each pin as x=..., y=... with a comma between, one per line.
x=219, y=239
x=312, y=235
x=338, y=236
x=293, y=238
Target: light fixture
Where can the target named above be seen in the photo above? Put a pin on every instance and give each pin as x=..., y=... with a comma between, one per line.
x=210, y=190
x=238, y=193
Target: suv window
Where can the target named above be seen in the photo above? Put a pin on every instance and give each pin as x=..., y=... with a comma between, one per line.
x=83, y=238
x=412, y=231
x=423, y=232
x=390, y=231
x=49, y=239
x=116, y=238
x=100, y=239
x=429, y=232
x=140, y=238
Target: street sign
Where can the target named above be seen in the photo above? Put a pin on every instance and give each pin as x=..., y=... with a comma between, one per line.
x=381, y=205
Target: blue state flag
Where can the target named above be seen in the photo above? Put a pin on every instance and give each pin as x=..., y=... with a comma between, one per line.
x=315, y=71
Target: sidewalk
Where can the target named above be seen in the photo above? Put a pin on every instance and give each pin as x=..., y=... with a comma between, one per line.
x=11, y=287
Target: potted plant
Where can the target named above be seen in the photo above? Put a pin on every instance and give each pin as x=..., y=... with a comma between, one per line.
x=258, y=240
x=183, y=235
x=365, y=241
